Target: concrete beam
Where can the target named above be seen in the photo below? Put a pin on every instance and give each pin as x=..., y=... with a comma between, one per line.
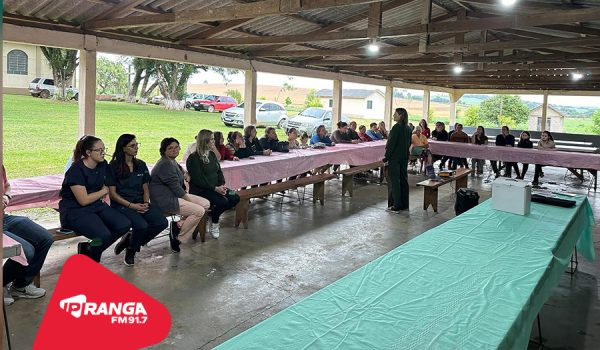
x=388, y=111
x=336, y=111
x=87, y=92
x=250, y=98
x=426, y=104
x=544, y=113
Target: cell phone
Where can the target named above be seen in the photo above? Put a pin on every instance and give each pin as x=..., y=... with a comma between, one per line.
x=230, y=192
x=64, y=231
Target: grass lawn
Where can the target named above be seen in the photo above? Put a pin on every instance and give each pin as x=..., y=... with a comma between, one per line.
x=39, y=135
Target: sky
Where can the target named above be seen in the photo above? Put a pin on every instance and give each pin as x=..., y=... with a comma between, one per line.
x=310, y=83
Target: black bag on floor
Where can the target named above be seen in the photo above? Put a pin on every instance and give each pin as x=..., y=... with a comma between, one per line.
x=466, y=199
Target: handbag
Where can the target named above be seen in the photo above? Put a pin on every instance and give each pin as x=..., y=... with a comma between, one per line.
x=282, y=146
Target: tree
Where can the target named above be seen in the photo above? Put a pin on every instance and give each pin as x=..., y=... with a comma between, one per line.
x=491, y=109
x=111, y=77
x=144, y=69
x=471, y=116
x=288, y=101
x=596, y=122
x=312, y=100
x=235, y=93
x=63, y=63
x=172, y=81
x=225, y=73
x=287, y=86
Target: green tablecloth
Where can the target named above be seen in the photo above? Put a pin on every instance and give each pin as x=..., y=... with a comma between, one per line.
x=474, y=282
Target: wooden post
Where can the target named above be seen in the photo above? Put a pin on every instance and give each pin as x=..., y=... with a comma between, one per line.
x=87, y=92
x=454, y=97
x=426, y=94
x=544, y=112
x=250, y=98
x=388, y=112
x=336, y=111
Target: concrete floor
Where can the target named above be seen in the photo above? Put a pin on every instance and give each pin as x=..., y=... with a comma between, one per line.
x=217, y=289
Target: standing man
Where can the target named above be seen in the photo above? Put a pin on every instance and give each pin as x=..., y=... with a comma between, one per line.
x=396, y=155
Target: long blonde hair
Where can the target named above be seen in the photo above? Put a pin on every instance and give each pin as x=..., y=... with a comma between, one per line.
x=203, y=144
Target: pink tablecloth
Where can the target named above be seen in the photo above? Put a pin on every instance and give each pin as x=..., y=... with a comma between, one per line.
x=8, y=242
x=520, y=155
x=43, y=191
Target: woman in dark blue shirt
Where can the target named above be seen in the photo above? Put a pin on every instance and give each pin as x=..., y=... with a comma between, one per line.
x=128, y=187
x=81, y=206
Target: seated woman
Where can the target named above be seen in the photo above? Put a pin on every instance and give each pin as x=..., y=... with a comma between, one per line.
x=189, y=150
x=224, y=154
x=424, y=128
x=167, y=193
x=81, y=207
x=524, y=142
x=236, y=147
x=478, y=138
x=35, y=242
x=546, y=143
x=382, y=130
x=458, y=135
x=130, y=195
x=269, y=141
x=304, y=141
x=419, y=145
x=206, y=180
x=293, y=138
x=321, y=136
x=352, y=131
x=341, y=134
x=362, y=134
x=252, y=143
x=440, y=134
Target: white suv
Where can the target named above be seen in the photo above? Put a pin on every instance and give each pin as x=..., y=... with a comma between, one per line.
x=44, y=88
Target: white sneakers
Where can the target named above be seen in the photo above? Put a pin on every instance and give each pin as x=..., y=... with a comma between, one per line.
x=214, y=230
x=28, y=292
x=8, y=299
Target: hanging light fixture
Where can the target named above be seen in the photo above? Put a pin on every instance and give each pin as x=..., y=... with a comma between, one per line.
x=577, y=76
x=373, y=47
x=508, y=2
x=457, y=69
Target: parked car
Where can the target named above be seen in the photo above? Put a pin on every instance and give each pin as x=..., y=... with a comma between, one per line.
x=309, y=120
x=44, y=88
x=190, y=97
x=268, y=113
x=157, y=99
x=214, y=103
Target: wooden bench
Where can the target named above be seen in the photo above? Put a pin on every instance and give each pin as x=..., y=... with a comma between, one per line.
x=430, y=187
x=318, y=182
x=348, y=175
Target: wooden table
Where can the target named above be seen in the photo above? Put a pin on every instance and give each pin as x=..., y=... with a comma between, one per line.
x=430, y=187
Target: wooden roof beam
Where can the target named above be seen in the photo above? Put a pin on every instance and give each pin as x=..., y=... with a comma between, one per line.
x=224, y=13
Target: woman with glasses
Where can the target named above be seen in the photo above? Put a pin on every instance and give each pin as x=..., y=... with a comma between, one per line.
x=81, y=206
x=167, y=192
x=129, y=193
x=206, y=179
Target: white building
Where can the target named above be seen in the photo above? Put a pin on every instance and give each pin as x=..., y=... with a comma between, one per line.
x=22, y=63
x=357, y=103
x=555, y=120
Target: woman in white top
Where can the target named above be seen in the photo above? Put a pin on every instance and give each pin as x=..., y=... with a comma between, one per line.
x=546, y=143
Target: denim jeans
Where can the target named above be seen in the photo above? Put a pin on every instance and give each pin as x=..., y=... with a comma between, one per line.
x=35, y=242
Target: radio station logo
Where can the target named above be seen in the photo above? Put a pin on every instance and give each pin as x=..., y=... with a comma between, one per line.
x=121, y=313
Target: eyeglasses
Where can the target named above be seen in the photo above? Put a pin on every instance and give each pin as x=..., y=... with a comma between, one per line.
x=100, y=150
x=135, y=145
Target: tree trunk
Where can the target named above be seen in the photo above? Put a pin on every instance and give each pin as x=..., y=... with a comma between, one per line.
x=135, y=85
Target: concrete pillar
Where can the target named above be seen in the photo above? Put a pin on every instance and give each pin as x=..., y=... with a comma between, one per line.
x=336, y=111
x=426, y=94
x=87, y=92
x=544, y=112
x=250, y=98
x=388, y=112
x=454, y=97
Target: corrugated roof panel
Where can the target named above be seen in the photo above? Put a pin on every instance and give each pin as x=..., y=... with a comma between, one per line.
x=279, y=25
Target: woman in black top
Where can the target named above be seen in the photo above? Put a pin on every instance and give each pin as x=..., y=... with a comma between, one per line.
x=253, y=143
x=207, y=180
x=130, y=195
x=478, y=138
x=524, y=142
x=81, y=207
x=237, y=147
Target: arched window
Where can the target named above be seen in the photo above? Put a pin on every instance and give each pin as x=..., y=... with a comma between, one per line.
x=16, y=62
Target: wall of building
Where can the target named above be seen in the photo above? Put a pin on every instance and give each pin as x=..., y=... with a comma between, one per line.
x=357, y=107
x=553, y=119
x=37, y=66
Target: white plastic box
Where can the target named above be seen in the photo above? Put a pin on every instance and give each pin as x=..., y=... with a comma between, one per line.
x=511, y=195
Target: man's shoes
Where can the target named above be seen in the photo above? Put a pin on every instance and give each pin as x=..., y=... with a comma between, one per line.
x=83, y=248
x=123, y=243
x=28, y=292
x=8, y=299
x=214, y=230
x=129, y=257
x=173, y=233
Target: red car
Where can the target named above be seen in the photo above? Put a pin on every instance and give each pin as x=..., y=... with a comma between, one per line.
x=214, y=103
